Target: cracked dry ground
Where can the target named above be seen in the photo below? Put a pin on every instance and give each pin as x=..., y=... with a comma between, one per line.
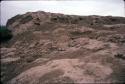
x=67, y=54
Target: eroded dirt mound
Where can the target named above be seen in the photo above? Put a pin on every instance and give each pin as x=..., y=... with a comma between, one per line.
x=56, y=48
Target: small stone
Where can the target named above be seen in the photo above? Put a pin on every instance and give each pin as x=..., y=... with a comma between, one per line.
x=61, y=49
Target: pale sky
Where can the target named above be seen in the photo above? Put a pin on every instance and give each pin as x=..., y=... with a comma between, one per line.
x=73, y=7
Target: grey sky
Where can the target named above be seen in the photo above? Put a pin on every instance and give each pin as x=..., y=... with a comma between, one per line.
x=74, y=7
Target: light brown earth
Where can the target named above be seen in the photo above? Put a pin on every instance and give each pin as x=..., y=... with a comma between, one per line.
x=49, y=48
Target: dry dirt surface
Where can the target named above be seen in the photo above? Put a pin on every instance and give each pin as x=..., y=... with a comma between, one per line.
x=53, y=48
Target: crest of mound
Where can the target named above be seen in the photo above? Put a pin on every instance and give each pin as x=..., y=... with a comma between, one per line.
x=31, y=20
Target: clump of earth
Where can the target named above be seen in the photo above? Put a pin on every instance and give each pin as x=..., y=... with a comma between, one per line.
x=56, y=48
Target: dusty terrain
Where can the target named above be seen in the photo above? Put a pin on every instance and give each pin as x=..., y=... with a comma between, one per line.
x=50, y=48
